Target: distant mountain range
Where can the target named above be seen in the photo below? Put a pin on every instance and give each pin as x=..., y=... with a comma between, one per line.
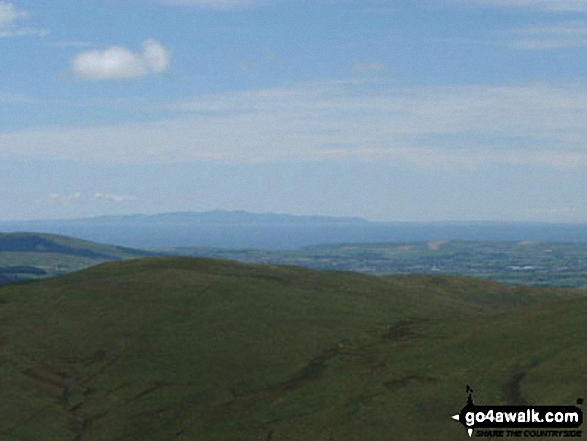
x=240, y=229
x=223, y=217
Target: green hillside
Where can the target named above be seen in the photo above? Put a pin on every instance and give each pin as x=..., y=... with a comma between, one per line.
x=26, y=256
x=199, y=349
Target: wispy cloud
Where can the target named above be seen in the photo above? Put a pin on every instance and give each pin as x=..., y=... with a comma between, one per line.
x=67, y=199
x=64, y=200
x=115, y=197
x=117, y=63
x=68, y=44
x=449, y=126
x=545, y=5
x=560, y=35
x=366, y=68
x=556, y=211
x=11, y=19
x=23, y=32
x=10, y=98
x=218, y=4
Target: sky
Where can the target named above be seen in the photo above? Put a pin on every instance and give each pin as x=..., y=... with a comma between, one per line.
x=391, y=110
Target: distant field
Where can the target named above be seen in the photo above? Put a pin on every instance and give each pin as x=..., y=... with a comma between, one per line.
x=528, y=263
x=198, y=349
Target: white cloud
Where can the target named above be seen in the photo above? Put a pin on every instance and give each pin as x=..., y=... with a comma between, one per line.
x=116, y=62
x=449, y=126
x=156, y=56
x=115, y=197
x=10, y=14
x=10, y=19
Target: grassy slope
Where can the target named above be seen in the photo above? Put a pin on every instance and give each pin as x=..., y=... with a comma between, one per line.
x=213, y=350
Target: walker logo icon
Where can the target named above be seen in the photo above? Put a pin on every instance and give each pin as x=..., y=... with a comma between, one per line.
x=520, y=421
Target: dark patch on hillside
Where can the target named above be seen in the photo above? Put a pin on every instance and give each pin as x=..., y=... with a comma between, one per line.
x=512, y=390
x=402, y=331
x=313, y=370
x=406, y=381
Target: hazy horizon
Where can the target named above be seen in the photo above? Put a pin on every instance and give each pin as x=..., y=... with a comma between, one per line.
x=238, y=230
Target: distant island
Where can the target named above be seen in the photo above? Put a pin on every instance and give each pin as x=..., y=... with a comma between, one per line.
x=238, y=217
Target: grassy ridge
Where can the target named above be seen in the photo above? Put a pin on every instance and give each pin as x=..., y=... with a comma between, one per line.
x=191, y=349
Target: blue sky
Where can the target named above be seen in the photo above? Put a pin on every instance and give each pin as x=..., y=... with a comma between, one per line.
x=412, y=110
